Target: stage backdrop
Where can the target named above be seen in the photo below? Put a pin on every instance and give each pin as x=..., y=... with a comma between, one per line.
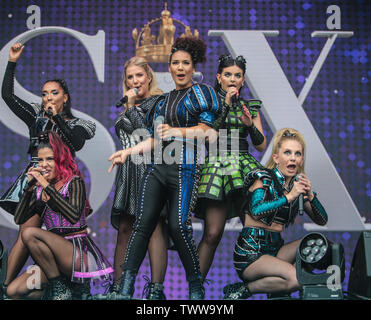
x=325, y=95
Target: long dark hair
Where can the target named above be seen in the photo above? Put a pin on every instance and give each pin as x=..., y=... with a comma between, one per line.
x=226, y=61
x=67, y=106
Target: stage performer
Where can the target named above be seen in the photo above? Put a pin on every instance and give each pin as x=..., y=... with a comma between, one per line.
x=188, y=111
x=140, y=86
x=220, y=194
x=64, y=250
x=263, y=262
x=54, y=113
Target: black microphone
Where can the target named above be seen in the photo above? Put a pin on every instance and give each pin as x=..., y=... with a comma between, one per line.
x=32, y=182
x=301, y=199
x=301, y=204
x=49, y=113
x=235, y=102
x=234, y=99
x=124, y=99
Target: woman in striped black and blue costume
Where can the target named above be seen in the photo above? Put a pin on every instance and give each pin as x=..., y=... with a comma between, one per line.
x=263, y=262
x=186, y=112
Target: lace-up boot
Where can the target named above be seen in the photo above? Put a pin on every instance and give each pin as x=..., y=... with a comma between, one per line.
x=80, y=291
x=196, y=290
x=57, y=289
x=127, y=283
x=155, y=291
x=236, y=291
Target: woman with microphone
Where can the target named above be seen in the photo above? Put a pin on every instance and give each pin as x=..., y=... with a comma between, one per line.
x=188, y=112
x=140, y=92
x=54, y=113
x=64, y=252
x=220, y=194
x=263, y=262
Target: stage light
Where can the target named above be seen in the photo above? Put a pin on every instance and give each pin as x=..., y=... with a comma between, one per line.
x=320, y=268
x=3, y=265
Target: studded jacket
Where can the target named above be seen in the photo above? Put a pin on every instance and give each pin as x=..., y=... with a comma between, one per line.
x=269, y=204
x=74, y=132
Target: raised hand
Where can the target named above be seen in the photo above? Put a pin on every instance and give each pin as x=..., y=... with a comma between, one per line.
x=15, y=52
x=132, y=95
x=51, y=107
x=246, y=117
x=303, y=179
x=232, y=91
x=36, y=173
x=298, y=188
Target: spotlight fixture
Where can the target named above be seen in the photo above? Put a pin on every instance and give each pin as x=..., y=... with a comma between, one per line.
x=320, y=268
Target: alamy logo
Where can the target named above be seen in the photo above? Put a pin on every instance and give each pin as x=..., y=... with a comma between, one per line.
x=34, y=280
x=334, y=280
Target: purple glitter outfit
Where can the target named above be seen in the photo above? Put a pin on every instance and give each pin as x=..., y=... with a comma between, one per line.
x=88, y=261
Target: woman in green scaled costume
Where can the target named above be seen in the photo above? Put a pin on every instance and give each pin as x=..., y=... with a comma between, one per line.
x=220, y=192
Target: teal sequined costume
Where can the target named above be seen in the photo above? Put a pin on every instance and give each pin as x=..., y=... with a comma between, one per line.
x=223, y=172
x=268, y=205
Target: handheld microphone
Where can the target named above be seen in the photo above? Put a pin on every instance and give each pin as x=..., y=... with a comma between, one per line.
x=301, y=204
x=49, y=113
x=301, y=199
x=32, y=182
x=234, y=99
x=159, y=120
x=124, y=99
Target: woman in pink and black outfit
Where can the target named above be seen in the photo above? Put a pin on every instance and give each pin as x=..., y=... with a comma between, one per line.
x=64, y=252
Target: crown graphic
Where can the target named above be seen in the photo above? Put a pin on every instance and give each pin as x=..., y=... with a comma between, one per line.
x=157, y=49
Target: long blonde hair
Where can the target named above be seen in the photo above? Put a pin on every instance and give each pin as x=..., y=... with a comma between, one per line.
x=142, y=63
x=279, y=137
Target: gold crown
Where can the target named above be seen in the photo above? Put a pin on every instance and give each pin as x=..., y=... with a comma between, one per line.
x=158, y=50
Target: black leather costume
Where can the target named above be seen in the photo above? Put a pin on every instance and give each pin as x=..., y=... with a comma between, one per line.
x=73, y=132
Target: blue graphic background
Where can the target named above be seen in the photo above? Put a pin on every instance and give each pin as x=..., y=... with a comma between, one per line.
x=338, y=104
